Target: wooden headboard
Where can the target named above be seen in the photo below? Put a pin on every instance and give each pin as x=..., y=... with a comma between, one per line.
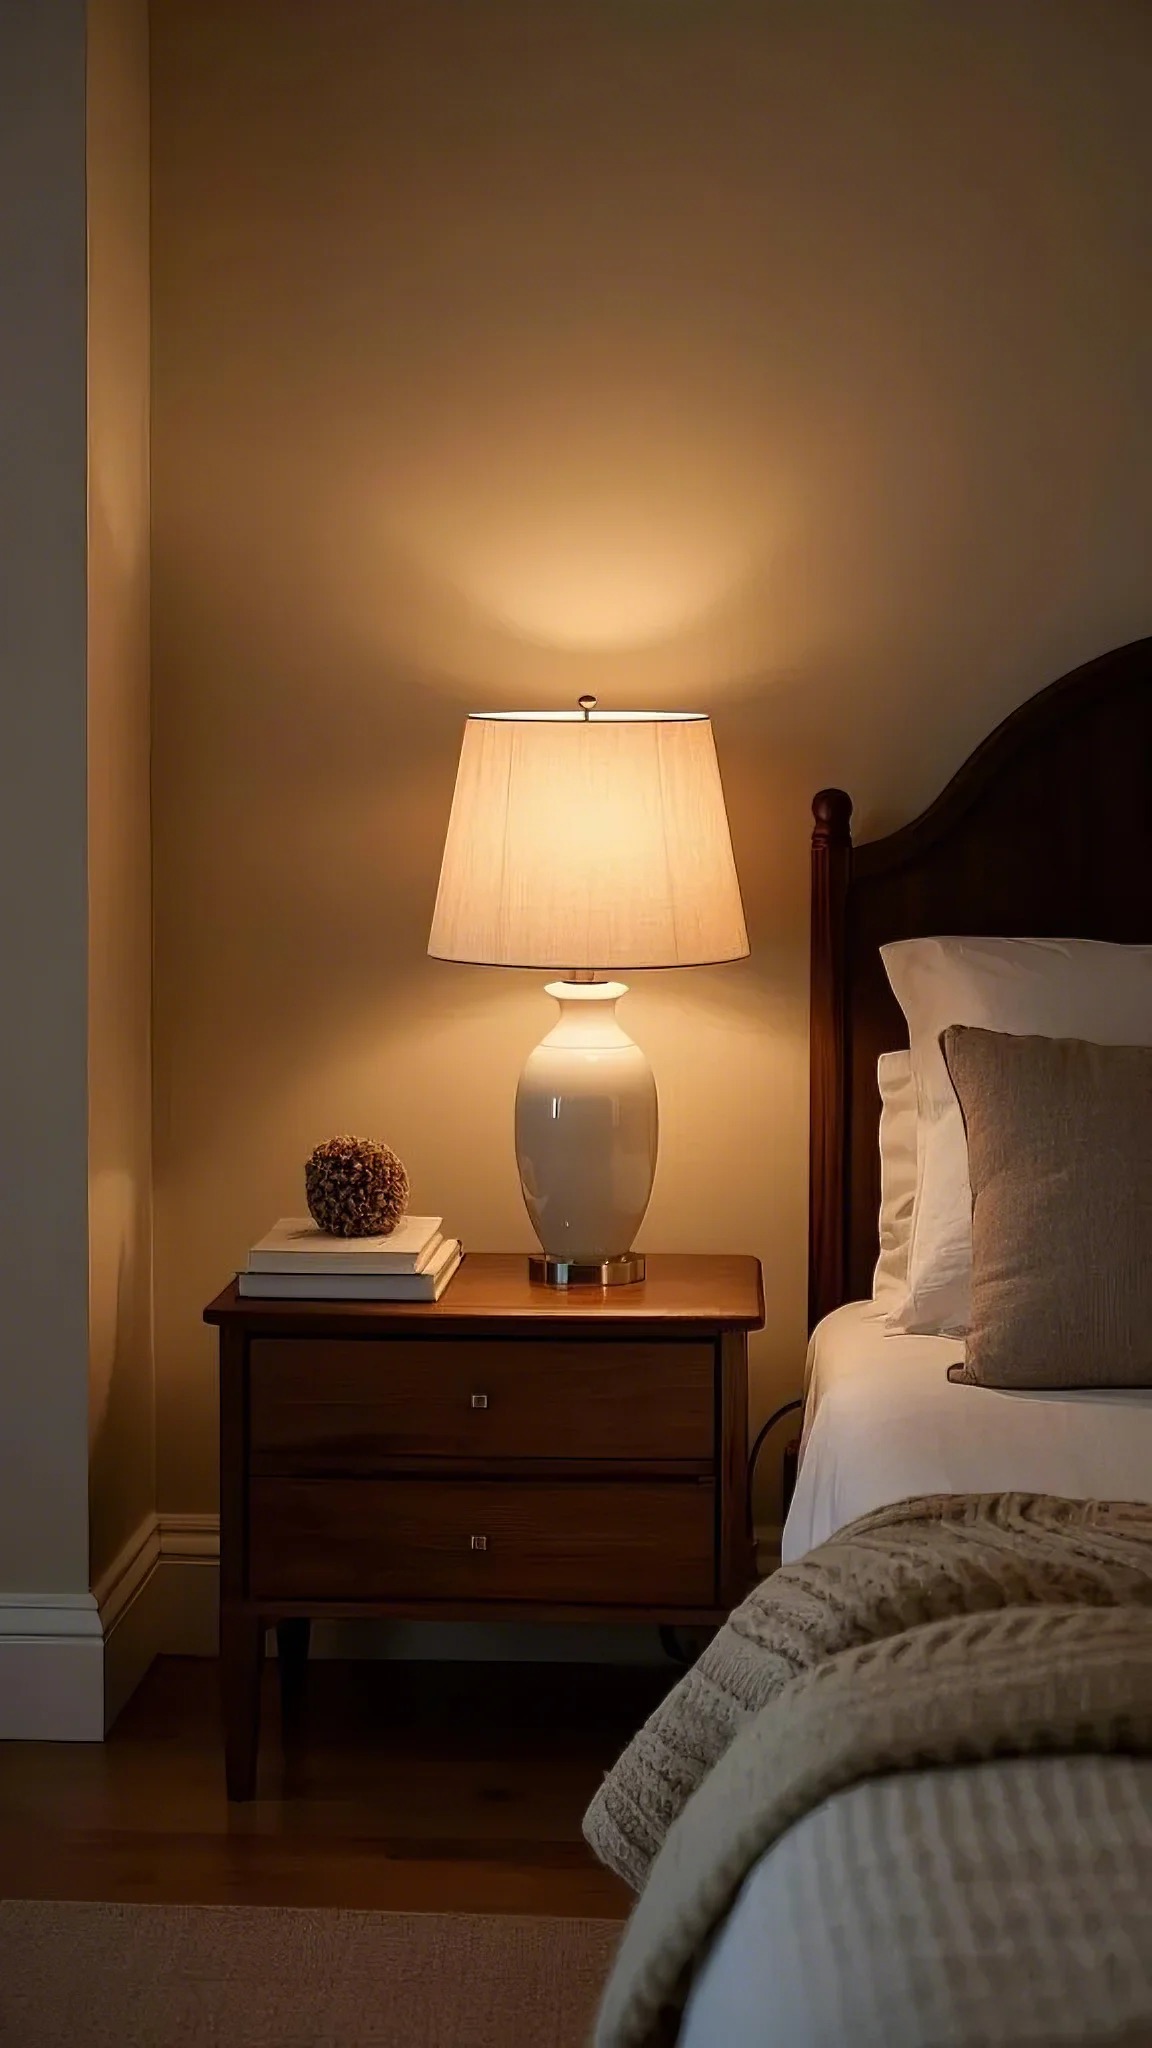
x=1045, y=832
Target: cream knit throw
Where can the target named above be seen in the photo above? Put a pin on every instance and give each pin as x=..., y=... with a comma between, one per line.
x=926, y=1561
x=1023, y=1681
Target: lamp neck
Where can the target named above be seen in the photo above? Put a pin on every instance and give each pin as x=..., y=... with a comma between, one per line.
x=587, y=1013
x=585, y=993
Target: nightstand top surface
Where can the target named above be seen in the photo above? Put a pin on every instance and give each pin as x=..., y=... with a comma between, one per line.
x=717, y=1291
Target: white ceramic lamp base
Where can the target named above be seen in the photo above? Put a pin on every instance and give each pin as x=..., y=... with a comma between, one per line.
x=587, y=1128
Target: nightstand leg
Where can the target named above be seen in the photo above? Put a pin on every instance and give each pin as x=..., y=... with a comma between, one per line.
x=292, y=1640
x=241, y=1660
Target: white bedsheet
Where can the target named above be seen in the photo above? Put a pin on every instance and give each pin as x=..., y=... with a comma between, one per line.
x=883, y=1422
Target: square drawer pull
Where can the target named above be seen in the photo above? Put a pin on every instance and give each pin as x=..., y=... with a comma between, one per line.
x=479, y=1400
x=479, y=1543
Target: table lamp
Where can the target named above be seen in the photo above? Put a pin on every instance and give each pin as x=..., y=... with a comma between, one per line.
x=585, y=841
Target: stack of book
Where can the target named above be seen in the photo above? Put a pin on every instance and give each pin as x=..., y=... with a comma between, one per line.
x=297, y=1262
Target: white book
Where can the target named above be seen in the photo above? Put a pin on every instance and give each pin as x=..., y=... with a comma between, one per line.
x=426, y=1286
x=294, y=1245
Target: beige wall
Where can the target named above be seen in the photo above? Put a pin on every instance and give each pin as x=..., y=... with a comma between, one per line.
x=122, y=1407
x=788, y=361
x=43, y=936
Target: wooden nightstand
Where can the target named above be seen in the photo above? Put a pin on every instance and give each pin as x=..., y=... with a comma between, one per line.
x=510, y=1452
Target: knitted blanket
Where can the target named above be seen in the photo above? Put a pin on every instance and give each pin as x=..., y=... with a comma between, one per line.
x=951, y=1557
x=1030, y=1682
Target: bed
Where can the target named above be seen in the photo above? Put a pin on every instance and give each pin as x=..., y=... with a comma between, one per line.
x=882, y=1422
x=984, y=1554
x=1046, y=829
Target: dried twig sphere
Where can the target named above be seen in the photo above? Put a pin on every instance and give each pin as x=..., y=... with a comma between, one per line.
x=355, y=1188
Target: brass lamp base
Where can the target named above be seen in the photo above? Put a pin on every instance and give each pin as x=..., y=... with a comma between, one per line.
x=545, y=1271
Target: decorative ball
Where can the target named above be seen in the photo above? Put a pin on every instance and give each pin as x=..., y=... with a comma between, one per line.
x=355, y=1188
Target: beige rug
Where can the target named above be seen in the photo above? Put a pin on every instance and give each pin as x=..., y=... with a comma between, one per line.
x=99, y=1976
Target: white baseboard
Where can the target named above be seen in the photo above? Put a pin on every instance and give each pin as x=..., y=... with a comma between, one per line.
x=51, y=1668
x=160, y=1598
x=188, y=1586
x=157, y=1597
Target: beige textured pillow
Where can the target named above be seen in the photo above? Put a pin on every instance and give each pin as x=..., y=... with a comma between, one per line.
x=1060, y=1162
x=1060, y=988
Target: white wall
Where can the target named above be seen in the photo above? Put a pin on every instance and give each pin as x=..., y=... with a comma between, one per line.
x=77, y=1423
x=43, y=806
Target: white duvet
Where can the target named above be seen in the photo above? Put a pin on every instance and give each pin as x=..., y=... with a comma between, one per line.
x=883, y=1422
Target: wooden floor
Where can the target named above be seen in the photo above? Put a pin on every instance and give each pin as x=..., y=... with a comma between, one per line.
x=410, y=1787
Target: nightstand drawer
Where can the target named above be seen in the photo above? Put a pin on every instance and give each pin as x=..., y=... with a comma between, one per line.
x=425, y=1539
x=331, y=1405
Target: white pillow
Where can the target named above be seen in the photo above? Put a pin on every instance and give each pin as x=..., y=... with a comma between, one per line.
x=1053, y=988
x=897, y=1175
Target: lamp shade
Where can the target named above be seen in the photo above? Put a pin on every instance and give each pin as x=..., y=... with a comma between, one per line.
x=587, y=841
